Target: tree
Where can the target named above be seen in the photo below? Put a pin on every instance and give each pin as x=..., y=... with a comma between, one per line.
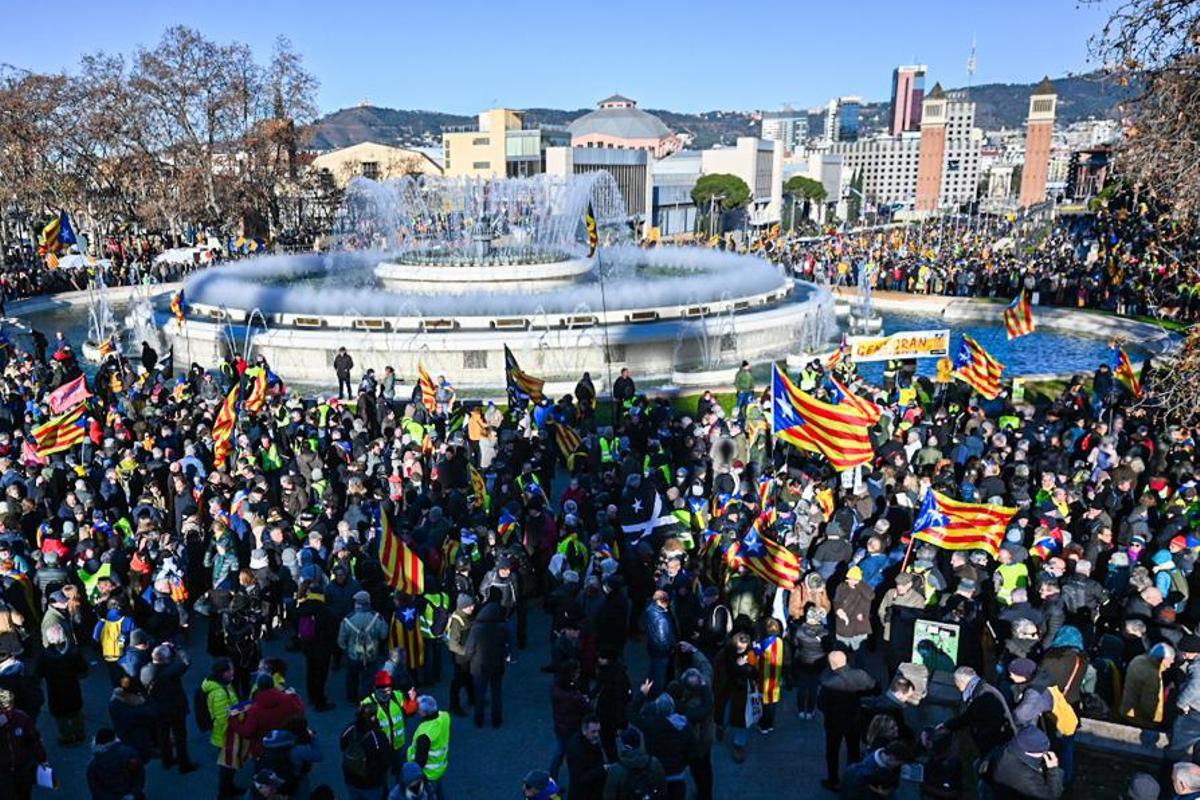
x=729, y=191
x=808, y=190
x=1155, y=46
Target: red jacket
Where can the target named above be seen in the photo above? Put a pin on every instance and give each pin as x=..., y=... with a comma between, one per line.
x=271, y=709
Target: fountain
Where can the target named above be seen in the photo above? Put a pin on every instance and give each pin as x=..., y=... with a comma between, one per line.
x=449, y=271
x=864, y=318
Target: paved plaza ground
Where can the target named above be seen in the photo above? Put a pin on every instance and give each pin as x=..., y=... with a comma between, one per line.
x=484, y=763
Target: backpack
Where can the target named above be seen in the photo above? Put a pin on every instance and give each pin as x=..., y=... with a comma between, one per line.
x=306, y=628
x=354, y=759
x=641, y=784
x=204, y=720
x=112, y=639
x=363, y=646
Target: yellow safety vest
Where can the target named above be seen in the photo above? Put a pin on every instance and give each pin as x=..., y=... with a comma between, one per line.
x=608, y=449
x=432, y=601
x=438, y=731
x=390, y=718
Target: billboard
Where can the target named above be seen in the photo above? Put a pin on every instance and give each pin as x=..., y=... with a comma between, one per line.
x=935, y=645
x=904, y=344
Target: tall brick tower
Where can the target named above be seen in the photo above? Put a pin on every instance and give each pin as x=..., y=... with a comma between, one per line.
x=1039, y=132
x=931, y=157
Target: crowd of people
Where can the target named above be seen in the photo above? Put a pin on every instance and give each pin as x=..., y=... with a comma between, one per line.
x=142, y=541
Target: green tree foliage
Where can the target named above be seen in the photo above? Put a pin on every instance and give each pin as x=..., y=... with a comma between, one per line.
x=803, y=188
x=729, y=191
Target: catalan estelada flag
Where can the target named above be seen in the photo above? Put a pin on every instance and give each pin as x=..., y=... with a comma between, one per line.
x=977, y=368
x=56, y=235
x=222, y=431
x=60, y=433
x=1125, y=372
x=179, y=308
x=506, y=526
x=522, y=387
x=589, y=219
x=825, y=500
x=428, y=390
x=766, y=558
x=402, y=567
x=955, y=525
x=770, y=668
x=405, y=632
x=1018, y=317
x=837, y=432
x=256, y=394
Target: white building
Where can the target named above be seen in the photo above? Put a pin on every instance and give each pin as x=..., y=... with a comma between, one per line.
x=960, y=176
x=887, y=165
x=757, y=162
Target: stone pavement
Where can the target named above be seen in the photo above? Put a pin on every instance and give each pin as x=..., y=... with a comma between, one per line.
x=484, y=763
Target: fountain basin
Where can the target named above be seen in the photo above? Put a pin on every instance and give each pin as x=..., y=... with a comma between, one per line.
x=467, y=276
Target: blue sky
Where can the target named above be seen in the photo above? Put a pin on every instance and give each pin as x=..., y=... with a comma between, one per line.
x=692, y=56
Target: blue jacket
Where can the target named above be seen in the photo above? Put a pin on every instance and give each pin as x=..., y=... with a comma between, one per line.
x=660, y=631
x=115, y=771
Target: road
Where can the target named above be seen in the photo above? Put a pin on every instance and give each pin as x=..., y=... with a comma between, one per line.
x=484, y=763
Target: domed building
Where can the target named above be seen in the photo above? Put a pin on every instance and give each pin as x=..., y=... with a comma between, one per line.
x=618, y=123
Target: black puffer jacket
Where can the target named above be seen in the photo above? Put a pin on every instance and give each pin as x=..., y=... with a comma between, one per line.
x=485, y=643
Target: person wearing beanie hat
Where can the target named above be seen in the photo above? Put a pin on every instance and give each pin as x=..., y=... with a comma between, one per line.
x=1141, y=700
x=115, y=769
x=538, y=785
x=458, y=628
x=635, y=767
x=1142, y=786
x=852, y=611
x=1027, y=767
x=361, y=637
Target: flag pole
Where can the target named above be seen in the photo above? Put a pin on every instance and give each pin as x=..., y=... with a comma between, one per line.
x=912, y=538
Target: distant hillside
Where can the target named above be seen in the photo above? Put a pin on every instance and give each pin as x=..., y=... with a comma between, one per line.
x=997, y=105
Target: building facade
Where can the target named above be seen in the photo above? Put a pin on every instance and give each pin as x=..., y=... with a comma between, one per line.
x=1039, y=134
x=908, y=93
x=378, y=162
x=630, y=168
x=887, y=166
x=500, y=146
x=617, y=123
x=788, y=126
x=842, y=119
x=949, y=152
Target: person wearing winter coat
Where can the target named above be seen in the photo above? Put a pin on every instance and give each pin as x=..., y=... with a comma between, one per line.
x=21, y=748
x=611, y=692
x=842, y=689
x=486, y=650
x=115, y=771
x=163, y=679
x=133, y=717
x=219, y=697
x=586, y=761
x=1142, y=701
x=458, y=628
x=62, y=668
x=270, y=709
x=734, y=672
x=661, y=636
x=635, y=770
x=852, y=610
x=568, y=705
x=985, y=713
x=810, y=642
x=1026, y=768
x=900, y=605
x=668, y=737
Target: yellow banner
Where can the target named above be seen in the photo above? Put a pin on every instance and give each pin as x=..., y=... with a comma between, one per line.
x=904, y=344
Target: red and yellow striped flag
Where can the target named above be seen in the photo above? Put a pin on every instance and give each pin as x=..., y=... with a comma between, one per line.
x=1018, y=317
x=955, y=525
x=840, y=433
x=60, y=433
x=428, y=391
x=978, y=368
x=766, y=558
x=222, y=431
x=402, y=567
x=1126, y=374
x=257, y=396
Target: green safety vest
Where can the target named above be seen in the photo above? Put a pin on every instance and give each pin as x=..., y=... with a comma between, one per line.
x=438, y=731
x=1012, y=577
x=523, y=481
x=90, y=581
x=432, y=601
x=390, y=718
x=608, y=450
x=271, y=462
x=569, y=544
